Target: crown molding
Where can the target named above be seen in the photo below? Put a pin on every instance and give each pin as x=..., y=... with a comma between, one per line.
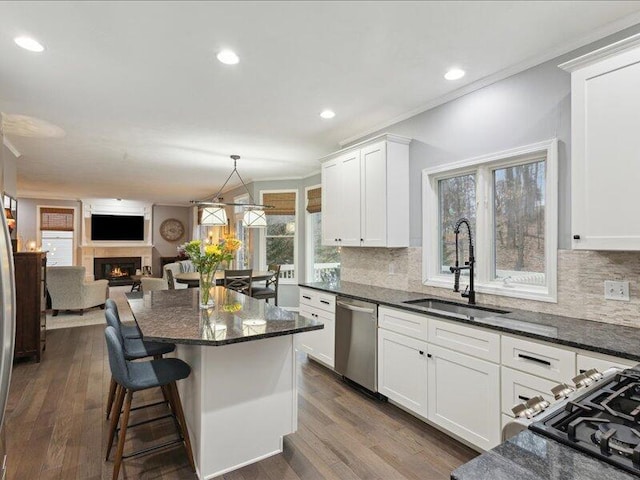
x=601, y=53
x=383, y=136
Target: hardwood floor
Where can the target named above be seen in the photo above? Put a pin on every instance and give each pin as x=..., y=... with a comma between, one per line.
x=56, y=427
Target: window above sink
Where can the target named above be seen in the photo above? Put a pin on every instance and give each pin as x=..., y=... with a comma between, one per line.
x=511, y=200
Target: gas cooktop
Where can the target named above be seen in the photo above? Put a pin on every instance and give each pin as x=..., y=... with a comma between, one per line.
x=603, y=422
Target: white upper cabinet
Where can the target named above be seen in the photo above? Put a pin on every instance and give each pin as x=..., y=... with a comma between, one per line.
x=605, y=157
x=365, y=194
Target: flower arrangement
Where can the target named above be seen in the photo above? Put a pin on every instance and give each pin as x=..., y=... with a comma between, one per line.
x=207, y=257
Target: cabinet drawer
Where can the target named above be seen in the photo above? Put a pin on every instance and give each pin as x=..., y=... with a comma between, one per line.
x=538, y=359
x=403, y=322
x=518, y=387
x=315, y=298
x=471, y=341
x=601, y=362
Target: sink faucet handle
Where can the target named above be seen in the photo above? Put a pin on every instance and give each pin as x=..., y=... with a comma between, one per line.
x=465, y=294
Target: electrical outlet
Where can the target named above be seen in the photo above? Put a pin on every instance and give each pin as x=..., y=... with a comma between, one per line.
x=616, y=290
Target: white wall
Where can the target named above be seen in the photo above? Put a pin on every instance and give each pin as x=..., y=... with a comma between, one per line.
x=161, y=247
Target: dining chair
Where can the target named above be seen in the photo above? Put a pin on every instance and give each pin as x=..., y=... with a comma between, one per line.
x=149, y=284
x=171, y=283
x=239, y=280
x=266, y=292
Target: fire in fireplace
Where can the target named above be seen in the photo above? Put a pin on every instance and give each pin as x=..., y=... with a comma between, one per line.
x=117, y=270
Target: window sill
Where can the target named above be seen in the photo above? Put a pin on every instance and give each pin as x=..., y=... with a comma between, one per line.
x=538, y=294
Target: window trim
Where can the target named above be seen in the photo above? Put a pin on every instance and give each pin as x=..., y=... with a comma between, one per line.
x=76, y=228
x=483, y=168
x=262, y=239
x=308, y=236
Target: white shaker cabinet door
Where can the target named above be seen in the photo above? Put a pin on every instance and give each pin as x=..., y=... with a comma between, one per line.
x=464, y=396
x=331, y=202
x=402, y=370
x=350, y=205
x=373, y=195
x=605, y=157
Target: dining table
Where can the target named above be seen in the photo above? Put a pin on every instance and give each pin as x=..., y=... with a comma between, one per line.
x=192, y=279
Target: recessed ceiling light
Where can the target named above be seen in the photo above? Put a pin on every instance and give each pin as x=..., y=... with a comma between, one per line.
x=228, y=57
x=454, y=74
x=29, y=43
x=328, y=114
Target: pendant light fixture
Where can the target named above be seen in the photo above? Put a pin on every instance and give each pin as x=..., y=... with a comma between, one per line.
x=213, y=212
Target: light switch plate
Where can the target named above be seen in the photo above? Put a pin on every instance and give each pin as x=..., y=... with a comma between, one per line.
x=614, y=290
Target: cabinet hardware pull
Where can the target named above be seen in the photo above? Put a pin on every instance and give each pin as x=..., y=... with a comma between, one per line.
x=523, y=398
x=305, y=297
x=429, y=355
x=534, y=359
x=324, y=301
x=420, y=352
x=576, y=237
x=582, y=370
x=362, y=239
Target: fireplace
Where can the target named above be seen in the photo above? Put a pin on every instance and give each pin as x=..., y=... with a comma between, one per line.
x=117, y=270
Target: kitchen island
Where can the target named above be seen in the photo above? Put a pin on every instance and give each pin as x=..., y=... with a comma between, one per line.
x=241, y=398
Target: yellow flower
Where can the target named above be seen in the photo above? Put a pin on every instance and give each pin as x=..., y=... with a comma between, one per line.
x=194, y=243
x=212, y=250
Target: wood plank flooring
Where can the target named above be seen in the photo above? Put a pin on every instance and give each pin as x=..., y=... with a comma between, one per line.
x=56, y=427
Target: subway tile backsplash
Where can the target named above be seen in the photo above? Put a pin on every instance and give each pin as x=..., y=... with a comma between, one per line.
x=581, y=276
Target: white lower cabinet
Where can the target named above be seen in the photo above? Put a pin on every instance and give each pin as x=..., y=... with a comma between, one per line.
x=402, y=370
x=464, y=396
x=319, y=344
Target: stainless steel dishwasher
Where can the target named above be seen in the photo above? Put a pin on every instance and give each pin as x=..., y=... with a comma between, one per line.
x=357, y=342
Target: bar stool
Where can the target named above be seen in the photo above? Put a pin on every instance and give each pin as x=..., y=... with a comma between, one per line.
x=136, y=376
x=128, y=331
x=134, y=348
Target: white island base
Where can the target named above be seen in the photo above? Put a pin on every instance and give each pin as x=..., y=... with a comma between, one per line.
x=239, y=401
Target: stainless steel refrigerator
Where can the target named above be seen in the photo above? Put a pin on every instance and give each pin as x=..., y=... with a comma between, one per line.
x=7, y=329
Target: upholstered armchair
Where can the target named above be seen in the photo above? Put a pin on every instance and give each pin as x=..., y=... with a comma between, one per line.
x=70, y=291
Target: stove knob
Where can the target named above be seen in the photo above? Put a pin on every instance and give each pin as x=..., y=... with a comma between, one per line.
x=537, y=403
x=582, y=380
x=593, y=374
x=522, y=411
x=562, y=390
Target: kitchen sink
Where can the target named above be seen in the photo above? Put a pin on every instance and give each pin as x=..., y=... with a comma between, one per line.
x=458, y=309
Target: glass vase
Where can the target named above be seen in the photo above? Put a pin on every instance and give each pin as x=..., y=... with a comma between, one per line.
x=207, y=282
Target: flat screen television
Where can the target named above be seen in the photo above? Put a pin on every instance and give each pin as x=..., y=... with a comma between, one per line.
x=117, y=227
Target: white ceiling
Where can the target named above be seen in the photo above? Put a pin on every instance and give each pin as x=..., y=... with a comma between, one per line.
x=149, y=113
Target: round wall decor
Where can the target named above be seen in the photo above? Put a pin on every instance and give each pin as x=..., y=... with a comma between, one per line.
x=171, y=229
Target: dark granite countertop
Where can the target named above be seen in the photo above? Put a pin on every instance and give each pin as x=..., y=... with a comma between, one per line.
x=528, y=456
x=616, y=340
x=175, y=316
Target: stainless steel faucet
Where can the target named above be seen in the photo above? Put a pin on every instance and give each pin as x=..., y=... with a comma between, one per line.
x=469, y=292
